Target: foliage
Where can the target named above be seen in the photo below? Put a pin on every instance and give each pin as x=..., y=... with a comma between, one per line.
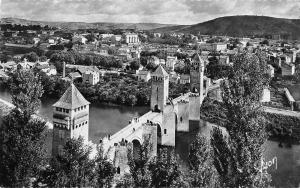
x=26, y=90
x=71, y=169
x=202, y=171
x=151, y=66
x=118, y=90
x=21, y=136
x=134, y=65
x=31, y=57
x=105, y=170
x=165, y=169
x=139, y=162
x=236, y=156
x=216, y=70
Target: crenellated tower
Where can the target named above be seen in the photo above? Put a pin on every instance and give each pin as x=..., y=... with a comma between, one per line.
x=70, y=119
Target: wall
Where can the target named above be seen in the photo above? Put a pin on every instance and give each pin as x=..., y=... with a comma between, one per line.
x=168, y=124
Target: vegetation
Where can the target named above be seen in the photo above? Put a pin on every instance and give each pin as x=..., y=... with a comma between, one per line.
x=202, y=170
x=21, y=136
x=237, y=155
x=216, y=70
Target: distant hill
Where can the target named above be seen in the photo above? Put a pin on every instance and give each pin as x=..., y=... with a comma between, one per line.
x=84, y=25
x=240, y=26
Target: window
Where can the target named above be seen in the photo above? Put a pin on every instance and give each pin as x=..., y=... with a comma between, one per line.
x=67, y=111
x=180, y=119
x=75, y=110
x=61, y=134
x=86, y=122
x=60, y=150
x=82, y=108
x=58, y=109
x=73, y=127
x=165, y=131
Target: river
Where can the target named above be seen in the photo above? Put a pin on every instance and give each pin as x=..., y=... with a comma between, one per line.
x=106, y=120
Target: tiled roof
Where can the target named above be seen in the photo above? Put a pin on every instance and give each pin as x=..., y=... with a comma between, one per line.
x=160, y=71
x=71, y=99
x=295, y=91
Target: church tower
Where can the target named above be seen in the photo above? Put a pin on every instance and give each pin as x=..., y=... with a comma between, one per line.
x=70, y=119
x=197, y=75
x=159, y=88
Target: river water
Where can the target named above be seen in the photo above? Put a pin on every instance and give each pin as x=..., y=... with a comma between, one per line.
x=106, y=120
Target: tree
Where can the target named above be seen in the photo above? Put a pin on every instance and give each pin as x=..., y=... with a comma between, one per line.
x=31, y=57
x=105, y=170
x=21, y=136
x=151, y=66
x=26, y=89
x=202, y=171
x=134, y=65
x=215, y=69
x=72, y=168
x=139, y=167
x=237, y=157
x=165, y=169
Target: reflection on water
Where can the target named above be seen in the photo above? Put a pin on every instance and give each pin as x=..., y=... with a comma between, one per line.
x=106, y=120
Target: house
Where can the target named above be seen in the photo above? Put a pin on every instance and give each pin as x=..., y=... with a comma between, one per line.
x=131, y=38
x=266, y=96
x=51, y=41
x=8, y=66
x=91, y=77
x=153, y=59
x=184, y=79
x=79, y=38
x=271, y=70
x=287, y=69
x=171, y=61
x=162, y=62
x=144, y=75
x=174, y=77
x=292, y=93
x=3, y=75
x=74, y=75
x=157, y=35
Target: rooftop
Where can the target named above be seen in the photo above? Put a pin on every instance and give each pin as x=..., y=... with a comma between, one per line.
x=295, y=91
x=71, y=99
x=160, y=71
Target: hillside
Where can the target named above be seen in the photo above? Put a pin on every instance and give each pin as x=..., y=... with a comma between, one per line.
x=84, y=25
x=241, y=26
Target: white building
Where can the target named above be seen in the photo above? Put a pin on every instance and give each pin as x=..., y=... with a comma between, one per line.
x=132, y=38
x=91, y=77
x=144, y=75
x=171, y=61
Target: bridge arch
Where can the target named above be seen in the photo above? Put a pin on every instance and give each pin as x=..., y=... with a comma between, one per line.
x=136, y=149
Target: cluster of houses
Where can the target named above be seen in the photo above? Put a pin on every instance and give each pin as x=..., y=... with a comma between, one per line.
x=11, y=66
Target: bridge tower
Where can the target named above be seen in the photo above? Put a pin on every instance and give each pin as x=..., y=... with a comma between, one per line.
x=70, y=119
x=196, y=97
x=197, y=75
x=159, y=89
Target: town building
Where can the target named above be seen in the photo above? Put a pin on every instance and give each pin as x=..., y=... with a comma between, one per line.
x=170, y=63
x=184, y=79
x=144, y=75
x=90, y=77
x=70, y=119
x=132, y=38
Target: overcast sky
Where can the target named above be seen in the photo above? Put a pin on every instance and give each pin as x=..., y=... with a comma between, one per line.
x=160, y=11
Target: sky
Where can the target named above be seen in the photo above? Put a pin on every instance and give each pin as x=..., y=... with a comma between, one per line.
x=145, y=11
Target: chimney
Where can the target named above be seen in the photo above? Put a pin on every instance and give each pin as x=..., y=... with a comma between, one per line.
x=64, y=69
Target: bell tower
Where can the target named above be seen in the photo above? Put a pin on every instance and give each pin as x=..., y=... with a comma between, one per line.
x=70, y=119
x=159, y=89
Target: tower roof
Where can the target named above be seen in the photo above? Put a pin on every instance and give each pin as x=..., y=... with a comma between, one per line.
x=71, y=99
x=198, y=58
x=160, y=71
